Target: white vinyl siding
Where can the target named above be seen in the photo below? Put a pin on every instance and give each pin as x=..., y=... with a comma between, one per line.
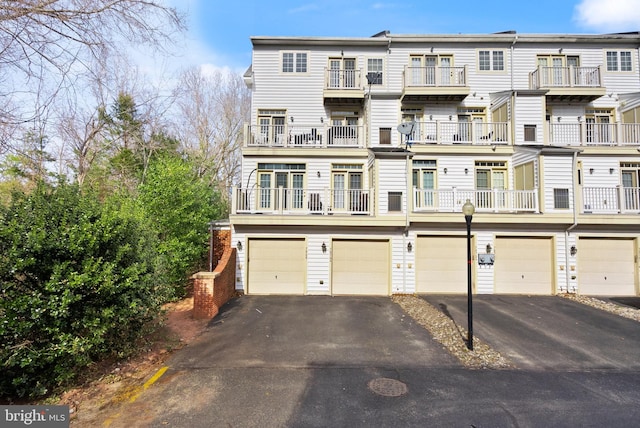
x=391, y=178
x=528, y=111
x=557, y=175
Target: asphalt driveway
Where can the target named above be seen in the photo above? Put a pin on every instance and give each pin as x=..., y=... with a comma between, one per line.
x=314, y=331
x=547, y=332
x=313, y=361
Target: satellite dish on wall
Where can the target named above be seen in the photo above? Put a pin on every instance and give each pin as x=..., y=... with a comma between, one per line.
x=406, y=128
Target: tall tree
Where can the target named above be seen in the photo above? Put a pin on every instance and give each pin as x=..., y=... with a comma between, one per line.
x=213, y=108
x=52, y=40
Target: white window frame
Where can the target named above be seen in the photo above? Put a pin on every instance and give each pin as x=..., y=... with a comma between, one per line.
x=492, y=58
x=379, y=68
x=615, y=63
x=299, y=62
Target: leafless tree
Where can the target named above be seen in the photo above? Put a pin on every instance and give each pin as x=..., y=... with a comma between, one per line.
x=213, y=108
x=54, y=40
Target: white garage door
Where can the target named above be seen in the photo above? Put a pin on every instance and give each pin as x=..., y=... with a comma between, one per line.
x=523, y=265
x=360, y=267
x=441, y=264
x=276, y=266
x=606, y=267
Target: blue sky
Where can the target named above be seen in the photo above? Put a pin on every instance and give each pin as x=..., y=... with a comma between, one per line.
x=219, y=31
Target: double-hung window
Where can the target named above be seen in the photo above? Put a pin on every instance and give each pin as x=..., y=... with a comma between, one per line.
x=294, y=62
x=489, y=60
x=374, y=71
x=619, y=61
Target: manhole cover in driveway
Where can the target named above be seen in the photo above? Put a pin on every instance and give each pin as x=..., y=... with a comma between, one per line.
x=388, y=387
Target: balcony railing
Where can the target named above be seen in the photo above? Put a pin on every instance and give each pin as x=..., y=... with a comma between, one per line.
x=300, y=136
x=446, y=132
x=566, y=77
x=610, y=200
x=434, y=76
x=301, y=201
x=594, y=134
x=341, y=79
x=494, y=200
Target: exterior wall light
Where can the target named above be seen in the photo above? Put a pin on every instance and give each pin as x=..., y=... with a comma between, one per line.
x=590, y=170
x=324, y=248
x=239, y=246
x=466, y=170
x=573, y=250
x=489, y=248
x=611, y=170
x=445, y=170
x=409, y=247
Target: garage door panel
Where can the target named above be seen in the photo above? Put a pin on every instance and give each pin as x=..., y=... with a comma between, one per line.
x=276, y=266
x=441, y=264
x=606, y=266
x=523, y=265
x=360, y=267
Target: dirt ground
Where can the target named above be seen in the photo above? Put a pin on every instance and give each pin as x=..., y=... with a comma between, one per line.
x=114, y=383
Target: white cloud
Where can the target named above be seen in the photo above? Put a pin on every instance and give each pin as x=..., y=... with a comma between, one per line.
x=608, y=15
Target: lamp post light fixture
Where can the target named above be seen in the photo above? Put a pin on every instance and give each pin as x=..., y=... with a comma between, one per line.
x=468, y=209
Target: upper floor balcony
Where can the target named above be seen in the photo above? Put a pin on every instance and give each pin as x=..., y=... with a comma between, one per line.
x=343, y=86
x=611, y=200
x=570, y=83
x=434, y=83
x=594, y=134
x=301, y=201
x=490, y=200
x=448, y=132
x=304, y=136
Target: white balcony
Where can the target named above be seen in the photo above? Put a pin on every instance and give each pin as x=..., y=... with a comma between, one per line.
x=448, y=132
x=611, y=200
x=494, y=200
x=594, y=134
x=304, y=136
x=301, y=201
x=434, y=83
x=570, y=83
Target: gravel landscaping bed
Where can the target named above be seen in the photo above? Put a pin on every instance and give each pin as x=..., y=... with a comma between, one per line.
x=450, y=335
x=453, y=337
x=623, y=311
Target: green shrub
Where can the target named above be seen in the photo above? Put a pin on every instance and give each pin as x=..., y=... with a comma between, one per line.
x=76, y=285
x=179, y=206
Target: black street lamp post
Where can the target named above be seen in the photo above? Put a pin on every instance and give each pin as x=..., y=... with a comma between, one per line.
x=468, y=209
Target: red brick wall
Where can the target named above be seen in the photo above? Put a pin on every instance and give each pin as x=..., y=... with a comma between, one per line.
x=221, y=241
x=211, y=290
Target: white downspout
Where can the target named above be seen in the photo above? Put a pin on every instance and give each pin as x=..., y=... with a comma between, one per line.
x=575, y=220
x=515, y=39
x=405, y=233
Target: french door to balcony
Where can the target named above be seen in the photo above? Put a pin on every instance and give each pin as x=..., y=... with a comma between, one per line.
x=287, y=194
x=598, y=129
x=486, y=181
x=347, y=191
x=342, y=73
x=630, y=180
